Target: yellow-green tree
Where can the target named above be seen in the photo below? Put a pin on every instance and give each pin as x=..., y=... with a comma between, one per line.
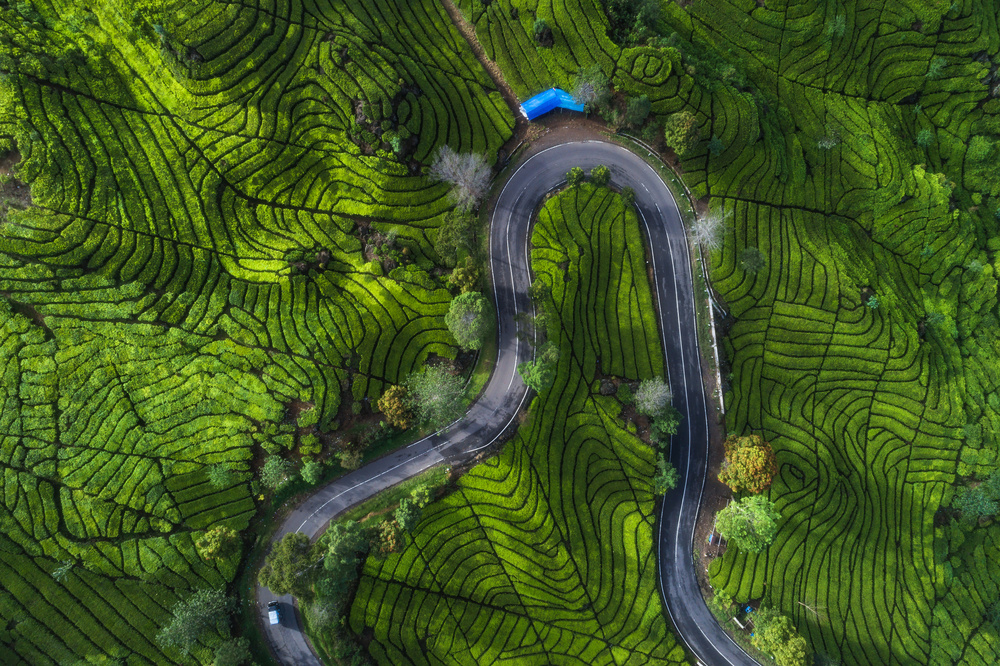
x=749, y=465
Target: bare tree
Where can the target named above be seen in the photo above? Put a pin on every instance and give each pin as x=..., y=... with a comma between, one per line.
x=467, y=173
x=591, y=88
x=653, y=397
x=707, y=230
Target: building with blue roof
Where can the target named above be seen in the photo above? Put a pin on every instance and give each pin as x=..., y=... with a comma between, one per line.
x=551, y=99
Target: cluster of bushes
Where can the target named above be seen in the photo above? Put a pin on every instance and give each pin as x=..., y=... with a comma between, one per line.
x=520, y=511
x=171, y=293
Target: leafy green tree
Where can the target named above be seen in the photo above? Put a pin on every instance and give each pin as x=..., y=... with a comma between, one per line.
x=291, y=566
x=980, y=148
x=541, y=372
x=221, y=476
x=591, y=88
x=455, y=235
x=872, y=302
x=750, y=523
x=632, y=22
x=407, y=515
x=470, y=319
x=574, y=177
x=665, y=425
x=233, y=652
x=652, y=397
x=191, y=617
x=276, y=472
x=421, y=495
x=312, y=472
x=666, y=478
x=435, y=396
x=394, y=407
x=540, y=292
x=750, y=464
x=350, y=457
x=752, y=260
x=344, y=542
x=925, y=138
x=218, y=542
x=775, y=634
x=680, y=132
x=637, y=110
x=465, y=278
x=600, y=175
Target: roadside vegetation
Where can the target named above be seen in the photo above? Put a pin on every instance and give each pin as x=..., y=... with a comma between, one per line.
x=849, y=204
x=526, y=544
x=227, y=256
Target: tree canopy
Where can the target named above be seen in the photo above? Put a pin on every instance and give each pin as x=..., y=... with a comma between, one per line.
x=276, y=472
x=775, y=634
x=750, y=464
x=408, y=514
x=467, y=173
x=667, y=477
x=233, y=652
x=290, y=567
x=541, y=372
x=394, y=407
x=455, y=235
x=312, y=472
x=680, y=132
x=591, y=88
x=191, y=617
x=653, y=397
x=470, y=319
x=435, y=396
x=751, y=523
x=218, y=542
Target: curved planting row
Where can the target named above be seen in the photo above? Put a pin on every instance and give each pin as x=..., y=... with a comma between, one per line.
x=196, y=274
x=853, y=147
x=544, y=554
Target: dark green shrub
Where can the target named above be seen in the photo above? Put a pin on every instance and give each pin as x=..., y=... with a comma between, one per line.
x=600, y=175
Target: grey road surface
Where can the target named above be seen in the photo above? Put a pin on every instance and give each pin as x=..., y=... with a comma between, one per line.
x=494, y=413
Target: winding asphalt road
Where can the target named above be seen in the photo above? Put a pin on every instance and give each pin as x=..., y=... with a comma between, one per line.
x=494, y=413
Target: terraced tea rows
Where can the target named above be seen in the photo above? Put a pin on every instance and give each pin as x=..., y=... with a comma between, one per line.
x=195, y=271
x=852, y=146
x=544, y=554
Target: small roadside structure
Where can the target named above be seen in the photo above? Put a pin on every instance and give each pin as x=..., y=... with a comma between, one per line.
x=553, y=98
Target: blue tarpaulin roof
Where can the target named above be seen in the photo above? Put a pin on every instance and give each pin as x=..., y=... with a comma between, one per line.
x=553, y=98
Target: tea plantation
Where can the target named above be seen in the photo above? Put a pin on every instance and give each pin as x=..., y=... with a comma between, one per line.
x=855, y=147
x=545, y=553
x=191, y=281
